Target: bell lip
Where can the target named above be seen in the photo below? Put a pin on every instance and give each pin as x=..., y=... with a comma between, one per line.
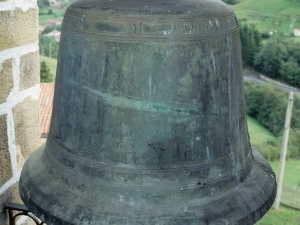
x=255, y=181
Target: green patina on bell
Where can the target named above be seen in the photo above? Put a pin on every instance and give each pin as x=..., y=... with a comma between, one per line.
x=149, y=123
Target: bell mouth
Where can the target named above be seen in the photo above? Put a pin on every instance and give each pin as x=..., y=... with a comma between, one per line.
x=59, y=199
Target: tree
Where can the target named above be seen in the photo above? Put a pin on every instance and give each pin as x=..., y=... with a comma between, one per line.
x=44, y=43
x=270, y=58
x=251, y=41
x=253, y=97
x=268, y=106
x=45, y=75
x=47, y=30
x=43, y=3
x=280, y=60
x=272, y=112
x=290, y=72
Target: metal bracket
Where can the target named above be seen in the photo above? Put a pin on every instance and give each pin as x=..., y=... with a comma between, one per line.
x=22, y=211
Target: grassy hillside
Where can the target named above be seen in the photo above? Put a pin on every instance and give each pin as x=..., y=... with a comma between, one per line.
x=258, y=133
x=278, y=16
x=285, y=216
x=57, y=14
x=291, y=172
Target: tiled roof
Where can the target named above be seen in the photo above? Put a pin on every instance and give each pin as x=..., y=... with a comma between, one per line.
x=46, y=101
x=52, y=21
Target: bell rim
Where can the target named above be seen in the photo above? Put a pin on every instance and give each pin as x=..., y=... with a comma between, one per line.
x=260, y=178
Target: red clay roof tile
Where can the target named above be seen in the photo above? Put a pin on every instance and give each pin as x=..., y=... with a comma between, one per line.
x=46, y=102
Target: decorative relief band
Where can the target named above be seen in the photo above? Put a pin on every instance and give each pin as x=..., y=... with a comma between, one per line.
x=156, y=27
x=174, y=178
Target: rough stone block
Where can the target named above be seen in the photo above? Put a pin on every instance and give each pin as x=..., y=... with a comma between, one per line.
x=6, y=79
x=18, y=28
x=5, y=161
x=27, y=129
x=10, y=195
x=29, y=70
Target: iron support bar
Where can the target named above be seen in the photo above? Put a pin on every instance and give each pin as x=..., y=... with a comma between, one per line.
x=22, y=210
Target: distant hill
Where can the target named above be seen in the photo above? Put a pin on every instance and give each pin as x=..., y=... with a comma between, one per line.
x=279, y=17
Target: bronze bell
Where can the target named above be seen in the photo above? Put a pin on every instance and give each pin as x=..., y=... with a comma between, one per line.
x=149, y=123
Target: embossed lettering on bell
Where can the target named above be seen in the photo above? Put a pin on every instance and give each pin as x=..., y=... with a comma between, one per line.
x=149, y=122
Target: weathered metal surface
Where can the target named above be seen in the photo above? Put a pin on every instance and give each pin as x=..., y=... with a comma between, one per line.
x=149, y=123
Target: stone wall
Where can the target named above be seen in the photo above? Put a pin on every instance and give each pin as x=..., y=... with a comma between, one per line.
x=19, y=92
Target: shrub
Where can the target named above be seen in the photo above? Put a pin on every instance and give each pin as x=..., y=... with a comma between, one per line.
x=45, y=75
x=268, y=105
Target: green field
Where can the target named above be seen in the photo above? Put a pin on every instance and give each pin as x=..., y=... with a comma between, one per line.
x=56, y=15
x=285, y=216
x=51, y=63
x=58, y=12
x=263, y=140
x=278, y=16
x=291, y=182
x=291, y=173
x=258, y=133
